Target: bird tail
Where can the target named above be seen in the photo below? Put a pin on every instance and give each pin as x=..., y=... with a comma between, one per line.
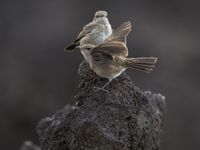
x=74, y=44
x=145, y=64
x=70, y=47
x=121, y=32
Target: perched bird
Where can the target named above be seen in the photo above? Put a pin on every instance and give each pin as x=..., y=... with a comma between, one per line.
x=118, y=34
x=109, y=59
x=93, y=33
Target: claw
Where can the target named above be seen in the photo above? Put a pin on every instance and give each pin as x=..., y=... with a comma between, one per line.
x=97, y=89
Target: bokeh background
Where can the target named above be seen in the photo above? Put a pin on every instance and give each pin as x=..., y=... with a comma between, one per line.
x=37, y=77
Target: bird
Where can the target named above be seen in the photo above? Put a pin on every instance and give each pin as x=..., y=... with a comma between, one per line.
x=110, y=58
x=94, y=32
x=117, y=35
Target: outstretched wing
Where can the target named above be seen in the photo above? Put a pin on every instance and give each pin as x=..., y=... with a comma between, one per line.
x=113, y=48
x=120, y=34
x=115, y=44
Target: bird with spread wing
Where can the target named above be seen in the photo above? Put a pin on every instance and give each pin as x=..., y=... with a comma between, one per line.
x=109, y=59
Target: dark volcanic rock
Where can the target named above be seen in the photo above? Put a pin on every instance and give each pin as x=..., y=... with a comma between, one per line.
x=125, y=118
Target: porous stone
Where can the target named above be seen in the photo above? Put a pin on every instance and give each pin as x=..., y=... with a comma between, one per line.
x=122, y=118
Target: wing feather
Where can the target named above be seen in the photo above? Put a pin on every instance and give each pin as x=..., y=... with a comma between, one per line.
x=112, y=48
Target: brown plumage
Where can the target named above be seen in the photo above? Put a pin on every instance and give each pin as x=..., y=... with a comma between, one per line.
x=120, y=34
x=112, y=41
x=109, y=59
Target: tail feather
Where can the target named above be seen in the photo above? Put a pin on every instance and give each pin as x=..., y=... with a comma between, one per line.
x=70, y=47
x=145, y=64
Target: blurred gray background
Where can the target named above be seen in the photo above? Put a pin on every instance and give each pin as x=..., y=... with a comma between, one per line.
x=37, y=77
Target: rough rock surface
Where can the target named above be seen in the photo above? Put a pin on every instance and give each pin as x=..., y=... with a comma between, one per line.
x=125, y=118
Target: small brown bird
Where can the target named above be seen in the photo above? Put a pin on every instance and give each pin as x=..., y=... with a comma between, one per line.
x=93, y=33
x=117, y=35
x=109, y=59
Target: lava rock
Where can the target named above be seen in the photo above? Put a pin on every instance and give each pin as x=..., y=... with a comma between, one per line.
x=121, y=117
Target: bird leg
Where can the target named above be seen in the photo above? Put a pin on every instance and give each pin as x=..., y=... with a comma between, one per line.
x=103, y=87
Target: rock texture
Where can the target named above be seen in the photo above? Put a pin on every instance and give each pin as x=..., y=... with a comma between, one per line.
x=124, y=118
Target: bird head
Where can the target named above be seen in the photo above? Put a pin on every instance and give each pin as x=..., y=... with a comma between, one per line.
x=101, y=17
x=100, y=14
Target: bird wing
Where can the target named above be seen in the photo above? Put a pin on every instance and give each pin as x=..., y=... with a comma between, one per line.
x=113, y=48
x=89, y=28
x=115, y=44
x=120, y=34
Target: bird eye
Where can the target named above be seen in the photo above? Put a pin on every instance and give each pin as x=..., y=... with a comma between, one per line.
x=98, y=16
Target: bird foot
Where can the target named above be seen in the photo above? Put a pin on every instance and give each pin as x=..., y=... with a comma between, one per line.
x=97, y=89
